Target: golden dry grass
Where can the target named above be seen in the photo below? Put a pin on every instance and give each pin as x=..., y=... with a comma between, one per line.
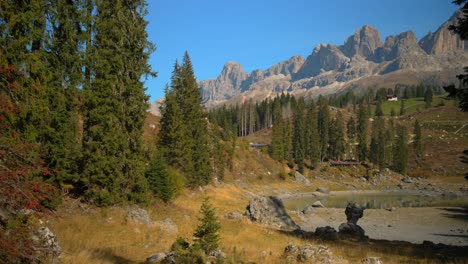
x=104, y=236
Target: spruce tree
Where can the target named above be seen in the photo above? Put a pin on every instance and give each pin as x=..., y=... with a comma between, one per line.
x=159, y=180
x=428, y=97
x=418, y=147
x=299, y=139
x=184, y=137
x=207, y=231
x=351, y=134
x=402, y=107
x=378, y=109
x=277, y=142
x=323, y=125
x=113, y=165
x=313, y=147
x=337, y=143
x=194, y=117
x=362, y=150
x=400, y=151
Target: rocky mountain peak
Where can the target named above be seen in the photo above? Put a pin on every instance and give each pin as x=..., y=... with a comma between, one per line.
x=232, y=73
x=443, y=40
x=287, y=67
x=363, y=42
x=325, y=57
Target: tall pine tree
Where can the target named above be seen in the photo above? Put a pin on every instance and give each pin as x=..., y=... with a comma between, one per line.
x=362, y=150
x=115, y=103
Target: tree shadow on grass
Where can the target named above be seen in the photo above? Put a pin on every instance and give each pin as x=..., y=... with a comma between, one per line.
x=456, y=212
x=427, y=250
x=107, y=254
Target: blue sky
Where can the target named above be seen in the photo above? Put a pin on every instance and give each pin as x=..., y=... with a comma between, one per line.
x=261, y=33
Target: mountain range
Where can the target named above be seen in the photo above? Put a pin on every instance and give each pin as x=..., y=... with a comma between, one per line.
x=363, y=61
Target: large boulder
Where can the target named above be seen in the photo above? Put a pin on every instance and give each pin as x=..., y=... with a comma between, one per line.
x=301, y=179
x=350, y=229
x=326, y=232
x=353, y=212
x=270, y=210
x=138, y=215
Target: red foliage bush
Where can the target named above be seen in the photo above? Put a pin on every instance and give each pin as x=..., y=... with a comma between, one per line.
x=23, y=191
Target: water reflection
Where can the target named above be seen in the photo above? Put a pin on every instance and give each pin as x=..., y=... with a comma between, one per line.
x=380, y=201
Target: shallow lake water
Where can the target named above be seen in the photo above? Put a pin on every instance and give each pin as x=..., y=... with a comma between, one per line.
x=378, y=201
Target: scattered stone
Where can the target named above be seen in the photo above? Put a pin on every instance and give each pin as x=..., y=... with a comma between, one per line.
x=168, y=226
x=301, y=179
x=138, y=215
x=270, y=210
x=317, y=204
x=290, y=249
x=156, y=258
x=233, y=215
x=47, y=245
x=170, y=258
x=217, y=254
x=372, y=260
x=390, y=209
x=216, y=182
x=407, y=180
x=326, y=232
x=323, y=190
x=310, y=254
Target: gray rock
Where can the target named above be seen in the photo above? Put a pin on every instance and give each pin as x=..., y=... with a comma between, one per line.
x=315, y=254
x=46, y=244
x=291, y=249
x=138, y=215
x=270, y=210
x=372, y=260
x=170, y=258
x=301, y=179
x=318, y=204
x=233, y=215
x=217, y=254
x=323, y=190
x=350, y=229
x=168, y=226
x=407, y=180
x=327, y=232
x=353, y=212
x=156, y=258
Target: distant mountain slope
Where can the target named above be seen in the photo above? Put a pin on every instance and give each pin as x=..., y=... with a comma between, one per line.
x=363, y=59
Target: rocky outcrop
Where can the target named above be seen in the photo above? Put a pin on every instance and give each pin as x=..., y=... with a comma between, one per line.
x=270, y=210
x=364, y=42
x=325, y=57
x=46, y=245
x=287, y=67
x=309, y=254
x=443, y=40
x=226, y=85
x=353, y=213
